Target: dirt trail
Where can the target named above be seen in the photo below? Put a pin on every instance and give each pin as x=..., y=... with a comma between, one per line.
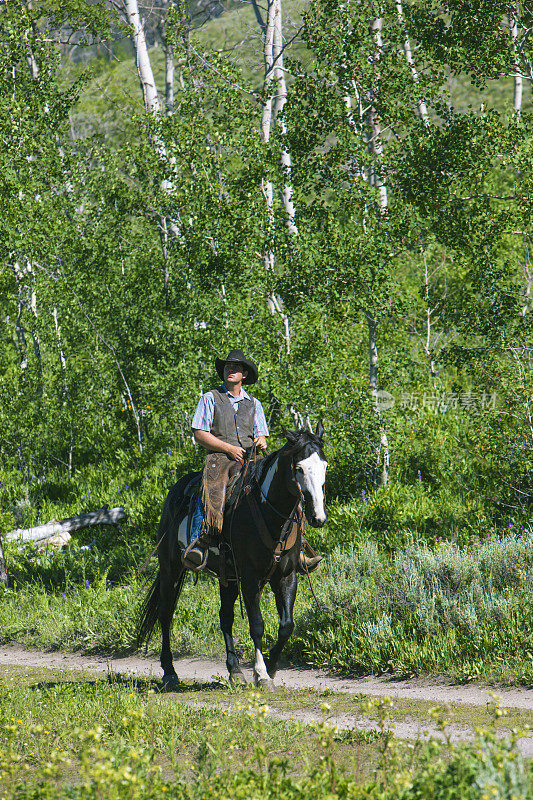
x=203, y=671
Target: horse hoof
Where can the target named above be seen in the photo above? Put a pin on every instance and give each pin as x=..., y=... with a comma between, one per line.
x=237, y=679
x=265, y=684
x=170, y=683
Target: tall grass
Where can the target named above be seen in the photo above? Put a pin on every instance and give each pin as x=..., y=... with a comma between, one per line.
x=465, y=611
x=99, y=617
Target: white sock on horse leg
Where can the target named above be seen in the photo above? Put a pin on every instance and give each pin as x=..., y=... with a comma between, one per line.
x=260, y=670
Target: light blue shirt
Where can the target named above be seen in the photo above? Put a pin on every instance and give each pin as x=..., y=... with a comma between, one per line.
x=205, y=411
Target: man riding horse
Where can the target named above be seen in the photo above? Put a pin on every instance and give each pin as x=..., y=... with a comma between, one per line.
x=228, y=423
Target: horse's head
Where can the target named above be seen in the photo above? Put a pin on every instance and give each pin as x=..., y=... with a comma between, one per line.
x=309, y=463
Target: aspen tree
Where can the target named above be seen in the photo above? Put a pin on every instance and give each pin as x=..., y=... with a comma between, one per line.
x=152, y=103
x=421, y=104
x=275, y=91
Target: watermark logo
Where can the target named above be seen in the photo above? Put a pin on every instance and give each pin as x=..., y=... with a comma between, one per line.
x=384, y=400
x=437, y=402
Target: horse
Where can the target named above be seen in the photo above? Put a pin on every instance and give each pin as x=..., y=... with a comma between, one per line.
x=256, y=530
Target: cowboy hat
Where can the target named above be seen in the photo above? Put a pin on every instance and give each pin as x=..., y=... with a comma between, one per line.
x=238, y=355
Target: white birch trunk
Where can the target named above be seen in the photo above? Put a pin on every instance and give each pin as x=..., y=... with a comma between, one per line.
x=163, y=236
x=28, y=297
x=19, y=330
x=63, y=362
x=374, y=140
x=518, y=80
x=279, y=103
x=383, y=460
x=3, y=567
x=429, y=313
x=518, y=88
x=105, y=516
x=375, y=148
x=144, y=66
x=371, y=127
x=152, y=104
x=266, y=116
x=422, y=108
x=169, y=60
x=528, y=275
x=19, y=272
x=271, y=41
x=60, y=349
x=169, y=79
x=133, y=409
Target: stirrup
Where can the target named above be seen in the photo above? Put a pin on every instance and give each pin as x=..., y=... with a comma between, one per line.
x=195, y=556
x=306, y=564
x=309, y=559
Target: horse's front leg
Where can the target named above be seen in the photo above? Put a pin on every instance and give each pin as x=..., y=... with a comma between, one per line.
x=284, y=589
x=228, y=595
x=252, y=599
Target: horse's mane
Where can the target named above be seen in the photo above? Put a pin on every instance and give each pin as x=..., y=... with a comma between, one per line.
x=302, y=437
x=261, y=467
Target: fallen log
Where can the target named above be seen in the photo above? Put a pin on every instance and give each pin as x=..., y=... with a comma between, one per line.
x=105, y=516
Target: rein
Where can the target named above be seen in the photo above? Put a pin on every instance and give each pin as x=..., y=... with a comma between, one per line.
x=152, y=554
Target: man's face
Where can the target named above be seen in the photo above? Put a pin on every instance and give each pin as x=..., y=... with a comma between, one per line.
x=234, y=371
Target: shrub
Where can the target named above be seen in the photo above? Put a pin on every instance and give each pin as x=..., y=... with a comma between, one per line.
x=448, y=609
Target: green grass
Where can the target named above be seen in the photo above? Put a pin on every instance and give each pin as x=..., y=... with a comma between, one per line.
x=360, y=707
x=466, y=613
x=67, y=736
x=53, y=713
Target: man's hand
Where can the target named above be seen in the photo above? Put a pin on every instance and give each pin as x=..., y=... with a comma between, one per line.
x=261, y=442
x=236, y=453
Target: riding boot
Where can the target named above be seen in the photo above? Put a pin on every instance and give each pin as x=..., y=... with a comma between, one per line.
x=195, y=555
x=309, y=558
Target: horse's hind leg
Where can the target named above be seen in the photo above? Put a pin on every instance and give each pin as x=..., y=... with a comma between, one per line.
x=169, y=588
x=285, y=594
x=228, y=595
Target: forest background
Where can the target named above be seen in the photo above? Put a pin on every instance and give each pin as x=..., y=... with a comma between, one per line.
x=344, y=191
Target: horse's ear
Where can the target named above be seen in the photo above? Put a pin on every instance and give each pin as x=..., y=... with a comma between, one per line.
x=319, y=433
x=291, y=437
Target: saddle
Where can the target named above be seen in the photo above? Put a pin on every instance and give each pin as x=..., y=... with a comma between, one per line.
x=219, y=474
x=221, y=487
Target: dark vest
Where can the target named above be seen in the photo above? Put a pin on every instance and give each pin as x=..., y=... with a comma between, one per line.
x=233, y=428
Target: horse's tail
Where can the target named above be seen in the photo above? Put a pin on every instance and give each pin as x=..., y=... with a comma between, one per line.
x=150, y=608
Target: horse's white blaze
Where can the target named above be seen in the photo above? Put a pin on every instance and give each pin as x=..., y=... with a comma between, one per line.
x=311, y=479
x=260, y=670
x=265, y=486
